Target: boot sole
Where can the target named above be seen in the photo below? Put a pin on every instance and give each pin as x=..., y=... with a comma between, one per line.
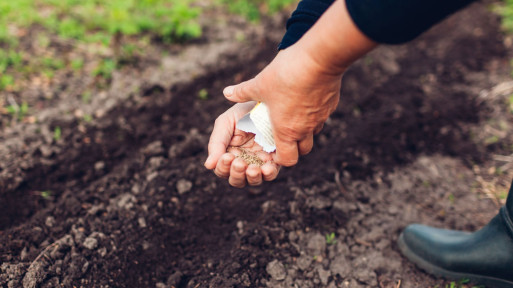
x=441, y=272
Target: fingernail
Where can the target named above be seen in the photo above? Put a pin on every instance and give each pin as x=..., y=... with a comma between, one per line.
x=228, y=91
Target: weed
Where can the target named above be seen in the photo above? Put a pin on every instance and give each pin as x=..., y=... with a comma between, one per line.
x=491, y=140
x=330, y=238
x=105, y=69
x=77, y=64
x=18, y=112
x=451, y=198
x=57, y=133
x=52, y=63
x=9, y=59
x=462, y=283
x=86, y=97
x=254, y=9
x=505, y=9
x=47, y=195
x=88, y=118
x=203, y=94
x=6, y=81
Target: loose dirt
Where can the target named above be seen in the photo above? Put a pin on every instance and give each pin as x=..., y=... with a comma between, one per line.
x=131, y=204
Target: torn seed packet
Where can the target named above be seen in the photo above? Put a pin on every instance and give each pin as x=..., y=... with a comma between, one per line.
x=257, y=121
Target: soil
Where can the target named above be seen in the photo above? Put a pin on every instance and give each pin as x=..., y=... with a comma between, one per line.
x=128, y=202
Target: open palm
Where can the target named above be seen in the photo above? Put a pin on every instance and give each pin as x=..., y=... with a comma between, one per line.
x=234, y=154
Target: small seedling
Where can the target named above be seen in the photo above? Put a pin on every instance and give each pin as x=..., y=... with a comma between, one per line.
x=6, y=81
x=47, y=195
x=77, y=64
x=491, y=140
x=57, y=133
x=330, y=238
x=203, y=94
x=86, y=97
x=105, y=69
x=88, y=118
x=451, y=198
x=18, y=112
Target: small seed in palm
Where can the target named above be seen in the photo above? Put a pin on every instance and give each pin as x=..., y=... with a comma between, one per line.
x=249, y=157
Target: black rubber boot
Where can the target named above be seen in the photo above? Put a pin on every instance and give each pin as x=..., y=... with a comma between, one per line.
x=485, y=257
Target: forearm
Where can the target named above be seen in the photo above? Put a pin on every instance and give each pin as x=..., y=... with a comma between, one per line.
x=334, y=42
x=383, y=21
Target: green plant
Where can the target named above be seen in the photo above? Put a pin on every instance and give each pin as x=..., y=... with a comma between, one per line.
x=6, y=81
x=491, y=140
x=203, y=94
x=86, y=97
x=254, y=9
x=451, y=198
x=505, y=9
x=88, y=118
x=47, y=195
x=105, y=69
x=71, y=19
x=330, y=238
x=77, y=64
x=462, y=283
x=57, y=133
x=8, y=59
x=18, y=112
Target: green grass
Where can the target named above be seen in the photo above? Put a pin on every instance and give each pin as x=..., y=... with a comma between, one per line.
x=254, y=9
x=18, y=112
x=463, y=283
x=505, y=9
x=95, y=20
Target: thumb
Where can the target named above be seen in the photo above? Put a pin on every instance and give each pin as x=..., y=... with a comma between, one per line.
x=287, y=153
x=243, y=92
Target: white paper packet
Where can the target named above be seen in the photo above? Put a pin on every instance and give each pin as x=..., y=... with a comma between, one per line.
x=257, y=121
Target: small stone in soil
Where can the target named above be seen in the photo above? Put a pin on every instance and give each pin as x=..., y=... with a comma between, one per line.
x=276, y=270
x=183, y=186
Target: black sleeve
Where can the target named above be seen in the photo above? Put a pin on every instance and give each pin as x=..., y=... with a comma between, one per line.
x=384, y=21
x=302, y=19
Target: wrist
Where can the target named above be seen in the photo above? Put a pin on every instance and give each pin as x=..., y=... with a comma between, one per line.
x=335, y=42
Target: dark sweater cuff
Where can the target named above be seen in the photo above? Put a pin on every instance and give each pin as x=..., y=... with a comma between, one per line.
x=302, y=19
x=399, y=21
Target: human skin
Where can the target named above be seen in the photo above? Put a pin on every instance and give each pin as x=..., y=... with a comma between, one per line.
x=301, y=88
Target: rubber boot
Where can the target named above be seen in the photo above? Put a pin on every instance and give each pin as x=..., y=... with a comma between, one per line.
x=485, y=257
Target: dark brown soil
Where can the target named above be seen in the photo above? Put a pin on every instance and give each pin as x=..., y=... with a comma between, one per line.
x=131, y=204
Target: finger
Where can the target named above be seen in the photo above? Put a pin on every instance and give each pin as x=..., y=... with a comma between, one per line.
x=306, y=145
x=223, y=165
x=270, y=171
x=254, y=175
x=243, y=92
x=238, y=173
x=219, y=140
x=240, y=138
x=318, y=128
x=286, y=152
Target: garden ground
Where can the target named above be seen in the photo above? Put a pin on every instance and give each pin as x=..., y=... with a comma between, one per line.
x=120, y=198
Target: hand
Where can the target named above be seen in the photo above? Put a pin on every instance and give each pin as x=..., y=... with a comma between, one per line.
x=233, y=154
x=300, y=96
x=301, y=86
